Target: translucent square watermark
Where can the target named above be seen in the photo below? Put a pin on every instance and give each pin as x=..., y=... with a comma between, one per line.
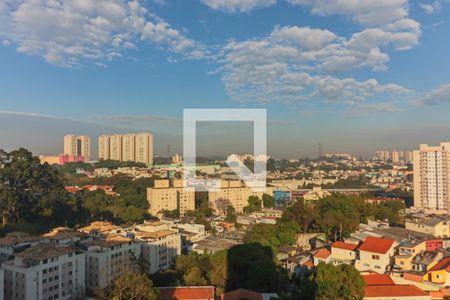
x=255, y=180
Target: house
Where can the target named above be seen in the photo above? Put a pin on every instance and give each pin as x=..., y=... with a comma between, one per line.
x=321, y=255
x=375, y=254
x=439, y=273
x=343, y=253
x=406, y=252
x=186, y=293
x=424, y=261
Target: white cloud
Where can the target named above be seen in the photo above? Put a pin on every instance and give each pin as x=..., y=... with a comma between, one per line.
x=289, y=65
x=237, y=5
x=440, y=94
x=69, y=33
x=427, y=8
x=431, y=8
x=366, y=12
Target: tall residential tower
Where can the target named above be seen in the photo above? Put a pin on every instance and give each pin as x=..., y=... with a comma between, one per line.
x=77, y=146
x=432, y=177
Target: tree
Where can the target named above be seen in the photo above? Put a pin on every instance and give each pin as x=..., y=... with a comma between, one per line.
x=268, y=201
x=27, y=188
x=341, y=282
x=254, y=204
x=129, y=286
x=195, y=277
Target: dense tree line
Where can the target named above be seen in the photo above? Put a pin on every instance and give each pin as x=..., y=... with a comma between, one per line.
x=249, y=266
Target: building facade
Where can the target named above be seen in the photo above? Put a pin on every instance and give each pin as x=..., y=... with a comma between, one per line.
x=127, y=147
x=170, y=195
x=432, y=177
x=77, y=146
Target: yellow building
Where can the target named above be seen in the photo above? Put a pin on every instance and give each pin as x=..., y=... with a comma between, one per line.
x=166, y=195
x=232, y=193
x=432, y=226
x=406, y=253
x=440, y=273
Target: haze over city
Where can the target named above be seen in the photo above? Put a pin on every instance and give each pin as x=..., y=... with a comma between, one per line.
x=354, y=76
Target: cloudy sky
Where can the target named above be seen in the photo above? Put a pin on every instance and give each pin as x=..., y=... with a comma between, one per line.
x=353, y=75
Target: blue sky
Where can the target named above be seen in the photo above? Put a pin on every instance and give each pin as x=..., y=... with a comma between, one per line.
x=354, y=75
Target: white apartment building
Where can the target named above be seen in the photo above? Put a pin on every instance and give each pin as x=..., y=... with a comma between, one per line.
x=432, y=177
x=106, y=258
x=136, y=147
x=170, y=195
x=160, y=244
x=77, y=146
x=45, y=271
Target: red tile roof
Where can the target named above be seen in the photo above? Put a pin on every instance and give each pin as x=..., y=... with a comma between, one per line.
x=376, y=245
x=346, y=246
x=186, y=292
x=378, y=279
x=443, y=264
x=322, y=253
x=242, y=294
x=308, y=264
x=393, y=291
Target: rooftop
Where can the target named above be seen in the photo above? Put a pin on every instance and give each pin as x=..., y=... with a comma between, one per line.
x=17, y=237
x=186, y=292
x=378, y=279
x=443, y=264
x=44, y=251
x=376, y=245
x=346, y=246
x=63, y=233
x=322, y=253
x=377, y=291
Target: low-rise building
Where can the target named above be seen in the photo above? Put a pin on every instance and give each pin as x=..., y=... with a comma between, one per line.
x=64, y=236
x=160, y=244
x=439, y=273
x=375, y=254
x=343, y=253
x=45, y=271
x=433, y=226
x=170, y=195
x=108, y=257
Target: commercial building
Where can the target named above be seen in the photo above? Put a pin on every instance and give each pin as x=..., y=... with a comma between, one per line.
x=170, y=195
x=432, y=177
x=77, y=146
x=45, y=271
x=136, y=147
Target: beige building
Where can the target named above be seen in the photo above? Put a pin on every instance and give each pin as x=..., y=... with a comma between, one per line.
x=103, y=147
x=77, y=146
x=45, y=271
x=127, y=147
x=71, y=145
x=232, y=193
x=115, y=147
x=144, y=148
x=160, y=244
x=431, y=226
x=432, y=177
x=170, y=195
x=108, y=257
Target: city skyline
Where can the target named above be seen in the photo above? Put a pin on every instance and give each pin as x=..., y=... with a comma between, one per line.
x=352, y=76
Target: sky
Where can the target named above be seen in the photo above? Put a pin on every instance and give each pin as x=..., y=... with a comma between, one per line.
x=355, y=76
